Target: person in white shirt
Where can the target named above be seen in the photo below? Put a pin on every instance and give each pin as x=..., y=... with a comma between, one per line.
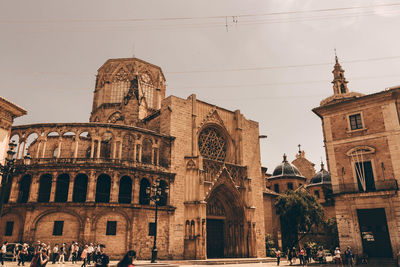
x=3, y=252
x=338, y=258
x=63, y=251
x=90, y=253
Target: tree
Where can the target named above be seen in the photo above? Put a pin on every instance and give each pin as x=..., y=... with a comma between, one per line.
x=300, y=213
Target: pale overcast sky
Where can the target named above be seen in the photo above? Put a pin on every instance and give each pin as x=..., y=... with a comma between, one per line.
x=270, y=59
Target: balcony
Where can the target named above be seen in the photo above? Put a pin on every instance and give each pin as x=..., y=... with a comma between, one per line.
x=384, y=185
x=97, y=161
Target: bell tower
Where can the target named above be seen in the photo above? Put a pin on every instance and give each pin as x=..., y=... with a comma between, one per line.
x=339, y=81
x=127, y=91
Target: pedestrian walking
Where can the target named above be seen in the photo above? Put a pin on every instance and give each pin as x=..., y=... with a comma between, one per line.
x=348, y=254
x=289, y=256
x=43, y=257
x=278, y=257
x=90, y=252
x=302, y=259
x=129, y=259
x=338, y=257
x=84, y=255
x=102, y=259
x=3, y=252
x=63, y=250
x=55, y=253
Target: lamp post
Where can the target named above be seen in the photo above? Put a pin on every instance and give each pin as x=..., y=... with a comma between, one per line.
x=155, y=194
x=8, y=171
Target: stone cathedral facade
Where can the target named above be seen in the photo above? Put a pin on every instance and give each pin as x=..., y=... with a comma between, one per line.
x=87, y=181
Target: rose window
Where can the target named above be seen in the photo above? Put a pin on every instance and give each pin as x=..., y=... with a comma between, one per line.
x=212, y=145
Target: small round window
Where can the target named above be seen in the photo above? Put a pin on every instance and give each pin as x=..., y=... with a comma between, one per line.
x=212, y=145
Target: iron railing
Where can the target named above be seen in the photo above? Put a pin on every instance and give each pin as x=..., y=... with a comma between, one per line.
x=384, y=185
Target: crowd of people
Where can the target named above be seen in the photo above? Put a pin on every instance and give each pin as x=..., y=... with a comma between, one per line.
x=40, y=254
x=305, y=255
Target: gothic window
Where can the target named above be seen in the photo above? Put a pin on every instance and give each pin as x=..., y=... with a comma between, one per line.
x=44, y=188
x=62, y=187
x=118, y=91
x=143, y=196
x=125, y=190
x=80, y=188
x=24, y=188
x=212, y=145
x=103, y=189
x=355, y=121
x=147, y=89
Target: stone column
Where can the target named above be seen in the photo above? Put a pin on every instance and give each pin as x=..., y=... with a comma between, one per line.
x=14, y=190
x=134, y=152
x=53, y=187
x=120, y=150
x=71, y=186
x=92, y=149
x=44, y=148
x=136, y=190
x=114, y=188
x=38, y=148
x=140, y=153
x=59, y=147
x=91, y=190
x=34, y=191
x=23, y=150
x=98, y=148
x=114, y=149
x=76, y=147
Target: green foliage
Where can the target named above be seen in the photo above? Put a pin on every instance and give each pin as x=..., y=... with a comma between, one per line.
x=331, y=232
x=269, y=246
x=299, y=213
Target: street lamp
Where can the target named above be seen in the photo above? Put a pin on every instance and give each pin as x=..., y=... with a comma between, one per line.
x=156, y=193
x=9, y=170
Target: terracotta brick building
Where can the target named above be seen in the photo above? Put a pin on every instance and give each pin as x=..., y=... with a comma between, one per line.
x=362, y=141
x=87, y=181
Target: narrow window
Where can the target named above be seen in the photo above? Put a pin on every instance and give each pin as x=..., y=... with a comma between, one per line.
x=290, y=186
x=316, y=193
x=58, y=227
x=276, y=188
x=9, y=228
x=111, y=228
x=355, y=121
x=342, y=88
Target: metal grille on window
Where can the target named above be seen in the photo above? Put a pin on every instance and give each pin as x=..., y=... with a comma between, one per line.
x=212, y=145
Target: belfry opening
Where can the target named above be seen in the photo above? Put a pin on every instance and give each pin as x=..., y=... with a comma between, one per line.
x=226, y=228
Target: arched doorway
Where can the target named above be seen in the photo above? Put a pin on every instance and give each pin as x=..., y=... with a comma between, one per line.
x=226, y=227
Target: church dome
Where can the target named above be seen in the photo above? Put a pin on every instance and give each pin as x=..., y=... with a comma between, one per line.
x=321, y=177
x=286, y=169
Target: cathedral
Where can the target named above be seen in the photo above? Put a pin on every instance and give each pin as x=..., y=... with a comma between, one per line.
x=88, y=182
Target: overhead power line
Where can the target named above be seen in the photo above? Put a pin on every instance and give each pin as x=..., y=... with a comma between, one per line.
x=236, y=16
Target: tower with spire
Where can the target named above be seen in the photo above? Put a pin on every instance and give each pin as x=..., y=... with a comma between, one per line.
x=339, y=81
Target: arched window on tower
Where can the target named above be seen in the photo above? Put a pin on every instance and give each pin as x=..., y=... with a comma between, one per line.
x=103, y=187
x=125, y=190
x=24, y=188
x=44, y=188
x=143, y=196
x=62, y=187
x=80, y=188
x=342, y=88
